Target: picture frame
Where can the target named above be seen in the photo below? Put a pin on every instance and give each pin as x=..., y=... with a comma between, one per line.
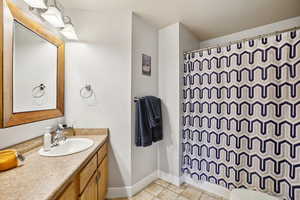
x=146, y=65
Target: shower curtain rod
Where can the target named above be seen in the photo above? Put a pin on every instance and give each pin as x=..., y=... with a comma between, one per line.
x=244, y=40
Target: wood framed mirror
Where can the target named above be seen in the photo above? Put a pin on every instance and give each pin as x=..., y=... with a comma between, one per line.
x=32, y=69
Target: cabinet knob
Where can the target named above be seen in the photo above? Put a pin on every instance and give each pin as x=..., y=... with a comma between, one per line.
x=98, y=176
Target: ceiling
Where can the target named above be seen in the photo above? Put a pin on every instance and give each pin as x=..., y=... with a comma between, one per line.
x=206, y=18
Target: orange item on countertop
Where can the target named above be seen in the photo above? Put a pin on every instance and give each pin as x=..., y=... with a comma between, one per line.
x=8, y=159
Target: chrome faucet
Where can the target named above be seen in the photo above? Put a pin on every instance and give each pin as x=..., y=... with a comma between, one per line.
x=59, y=137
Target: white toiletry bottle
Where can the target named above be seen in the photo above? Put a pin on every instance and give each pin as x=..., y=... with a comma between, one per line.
x=47, y=139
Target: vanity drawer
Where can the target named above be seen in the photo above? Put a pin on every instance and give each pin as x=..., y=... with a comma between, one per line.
x=102, y=153
x=87, y=172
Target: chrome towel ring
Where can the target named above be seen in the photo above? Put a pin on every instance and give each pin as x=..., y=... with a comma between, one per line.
x=39, y=91
x=88, y=89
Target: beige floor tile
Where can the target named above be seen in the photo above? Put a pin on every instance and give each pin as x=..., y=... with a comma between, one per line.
x=177, y=189
x=167, y=195
x=154, y=189
x=119, y=199
x=216, y=197
x=191, y=193
x=162, y=183
x=162, y=190
x=143, y=196
x=210, y=197
x=181, y=198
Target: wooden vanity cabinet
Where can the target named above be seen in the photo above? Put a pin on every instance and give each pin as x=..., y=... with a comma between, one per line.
x=103, y=177
x=70, y=193
x=87, y=173
x=91, y=182
x=91, y=190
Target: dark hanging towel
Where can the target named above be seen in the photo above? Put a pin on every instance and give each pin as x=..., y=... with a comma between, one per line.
x=148, y=126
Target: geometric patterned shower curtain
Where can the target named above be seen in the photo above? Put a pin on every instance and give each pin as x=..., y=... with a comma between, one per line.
x=241, y=115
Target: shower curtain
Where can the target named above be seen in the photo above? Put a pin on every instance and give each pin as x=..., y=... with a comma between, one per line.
x=241, y=115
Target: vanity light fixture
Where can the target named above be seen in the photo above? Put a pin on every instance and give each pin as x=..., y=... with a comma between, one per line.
x=53, y=14
x=54, y=17
x=68, y=31
x=36, y=4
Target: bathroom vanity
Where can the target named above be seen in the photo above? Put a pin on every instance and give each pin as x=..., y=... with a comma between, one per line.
x=90, y=183
x=80, y=176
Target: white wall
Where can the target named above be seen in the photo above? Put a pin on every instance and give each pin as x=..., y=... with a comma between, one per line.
x=14, y=135
x=173, y=41
x=278, y=26
x=144, y=41
x=102, y=58
x=17, y=134
x=169, y=93
x=187, y=41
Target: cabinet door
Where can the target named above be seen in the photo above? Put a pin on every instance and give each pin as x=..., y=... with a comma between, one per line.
x=87, y=172
x=90, y=192
x=70, y=193
x=103, y=177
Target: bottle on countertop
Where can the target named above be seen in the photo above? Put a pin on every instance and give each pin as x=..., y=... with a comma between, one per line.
x=47, y=139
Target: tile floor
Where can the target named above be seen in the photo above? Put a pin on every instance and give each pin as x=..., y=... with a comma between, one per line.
x=161, y=190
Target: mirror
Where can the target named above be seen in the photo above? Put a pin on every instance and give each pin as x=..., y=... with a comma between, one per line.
x=34, y=71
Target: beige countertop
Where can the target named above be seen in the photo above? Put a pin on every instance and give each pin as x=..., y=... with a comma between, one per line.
x=42, y=177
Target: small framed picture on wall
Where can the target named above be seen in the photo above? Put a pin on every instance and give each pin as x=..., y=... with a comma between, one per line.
x=146, y=65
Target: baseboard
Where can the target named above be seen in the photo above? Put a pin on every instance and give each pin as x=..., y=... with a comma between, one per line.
x=209, y=187
x=118, y=192
x=175, y=180
x=143, y=183
x=129, y=191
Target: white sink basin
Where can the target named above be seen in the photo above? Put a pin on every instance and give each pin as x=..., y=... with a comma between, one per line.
x=71, y=145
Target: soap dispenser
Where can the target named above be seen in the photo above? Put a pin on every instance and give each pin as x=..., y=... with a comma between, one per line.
x=47, y=139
